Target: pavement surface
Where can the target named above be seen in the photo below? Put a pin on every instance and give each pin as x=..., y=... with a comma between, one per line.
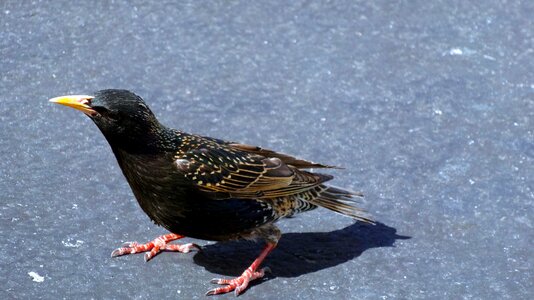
x=429, y=106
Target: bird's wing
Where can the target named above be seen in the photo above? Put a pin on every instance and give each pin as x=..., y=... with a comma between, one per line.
x=287, y=159
x=227, y=169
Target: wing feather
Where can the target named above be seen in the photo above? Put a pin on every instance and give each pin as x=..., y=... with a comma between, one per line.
x=287, y=159
x=228, y=169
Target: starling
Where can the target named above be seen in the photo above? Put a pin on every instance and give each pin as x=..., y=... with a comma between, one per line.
x=203, y=187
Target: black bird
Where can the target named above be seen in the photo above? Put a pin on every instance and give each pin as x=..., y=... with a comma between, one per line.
x=206, y=188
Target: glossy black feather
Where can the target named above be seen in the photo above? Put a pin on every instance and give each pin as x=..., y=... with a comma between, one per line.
x=208, y=188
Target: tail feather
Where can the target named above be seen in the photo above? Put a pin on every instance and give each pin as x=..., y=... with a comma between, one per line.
x=341, y=201
x=340, y=191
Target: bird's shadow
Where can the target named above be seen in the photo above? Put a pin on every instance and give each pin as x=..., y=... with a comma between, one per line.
x=298, y=253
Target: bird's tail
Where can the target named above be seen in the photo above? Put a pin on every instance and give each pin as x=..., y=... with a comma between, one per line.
x=341, y=201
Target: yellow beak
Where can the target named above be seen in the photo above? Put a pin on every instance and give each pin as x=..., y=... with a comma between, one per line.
x=79, y=102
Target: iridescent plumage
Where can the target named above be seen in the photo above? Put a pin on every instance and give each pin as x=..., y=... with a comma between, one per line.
x=207, y=188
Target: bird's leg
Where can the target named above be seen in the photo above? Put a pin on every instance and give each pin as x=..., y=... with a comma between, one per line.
x=154, y=247
x=240, y=283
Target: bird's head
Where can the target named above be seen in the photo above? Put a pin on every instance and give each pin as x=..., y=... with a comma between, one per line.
x=122, y=116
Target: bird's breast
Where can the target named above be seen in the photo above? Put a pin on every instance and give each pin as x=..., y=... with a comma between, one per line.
x=156, y=184
x=171, y=201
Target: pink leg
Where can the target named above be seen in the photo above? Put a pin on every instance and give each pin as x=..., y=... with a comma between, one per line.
x=157, y=245
x=240, y=283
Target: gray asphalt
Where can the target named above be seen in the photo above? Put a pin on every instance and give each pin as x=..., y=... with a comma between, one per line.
x=428, y=105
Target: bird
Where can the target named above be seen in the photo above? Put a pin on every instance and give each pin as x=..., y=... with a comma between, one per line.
x=207, y=188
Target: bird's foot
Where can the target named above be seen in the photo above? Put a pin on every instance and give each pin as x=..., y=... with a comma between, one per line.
x=154, y=247
x=238, y=284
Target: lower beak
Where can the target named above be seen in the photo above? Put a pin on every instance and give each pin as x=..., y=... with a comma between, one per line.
x=79, y=102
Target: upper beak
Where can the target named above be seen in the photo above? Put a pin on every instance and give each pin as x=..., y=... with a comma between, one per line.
x=79, y=102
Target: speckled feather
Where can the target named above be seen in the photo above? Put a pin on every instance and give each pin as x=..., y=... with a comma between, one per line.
x=203, y=187
x=209, y=188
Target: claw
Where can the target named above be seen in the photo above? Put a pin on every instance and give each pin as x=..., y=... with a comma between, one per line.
x=239, y=284
x=129, y=244
x=115, y=253
x=154, y=247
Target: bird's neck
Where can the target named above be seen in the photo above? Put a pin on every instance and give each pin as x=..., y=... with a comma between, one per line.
x=157, y=140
